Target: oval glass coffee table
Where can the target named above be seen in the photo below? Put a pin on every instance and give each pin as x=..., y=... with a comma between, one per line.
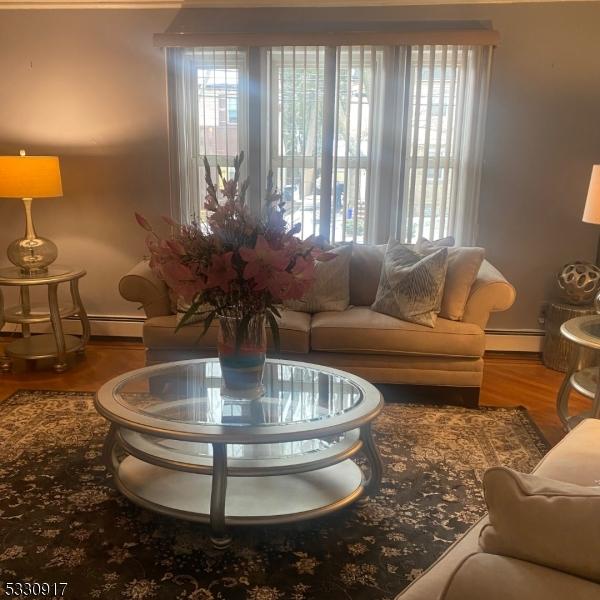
x=178, y=447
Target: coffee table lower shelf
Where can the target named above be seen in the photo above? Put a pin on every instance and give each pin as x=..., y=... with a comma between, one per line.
x=249, y=500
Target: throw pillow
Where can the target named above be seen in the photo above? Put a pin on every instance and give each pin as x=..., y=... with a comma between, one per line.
x=365, y=273
x=411, y=285
x=331, y=288
x=543, y=521
x=463, y=266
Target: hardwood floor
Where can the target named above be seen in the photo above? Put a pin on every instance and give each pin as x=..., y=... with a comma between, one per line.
x=509, y=380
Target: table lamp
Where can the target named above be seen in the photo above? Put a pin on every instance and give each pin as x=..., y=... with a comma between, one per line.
x=29, y=177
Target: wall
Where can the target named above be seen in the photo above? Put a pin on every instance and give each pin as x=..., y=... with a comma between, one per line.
x=90, y=87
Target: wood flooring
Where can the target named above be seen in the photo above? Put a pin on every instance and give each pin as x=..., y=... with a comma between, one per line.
x=509, y=379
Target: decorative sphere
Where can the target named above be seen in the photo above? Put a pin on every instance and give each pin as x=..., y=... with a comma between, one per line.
x=32, y=255
x=579, y=282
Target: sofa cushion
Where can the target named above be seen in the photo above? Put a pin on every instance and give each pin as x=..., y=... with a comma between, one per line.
x=431, y=584
x=581, y=448
x=543, y=521
x=489, y=577
x=362, y=330
x=159, y=333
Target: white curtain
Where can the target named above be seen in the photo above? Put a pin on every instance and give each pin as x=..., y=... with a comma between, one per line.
x=208, y=89
x=447, y=99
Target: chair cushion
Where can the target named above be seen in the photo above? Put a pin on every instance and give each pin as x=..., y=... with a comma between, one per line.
x=543, y=521
x=159, y=333
x=362, y=330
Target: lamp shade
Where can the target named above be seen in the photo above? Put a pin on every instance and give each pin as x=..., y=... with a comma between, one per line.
x=30, y=177
x=591, y=213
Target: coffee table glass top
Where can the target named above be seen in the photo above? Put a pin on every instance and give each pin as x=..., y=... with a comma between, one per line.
x=190, y=393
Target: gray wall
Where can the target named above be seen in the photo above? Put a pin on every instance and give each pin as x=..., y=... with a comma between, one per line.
x=90, y=87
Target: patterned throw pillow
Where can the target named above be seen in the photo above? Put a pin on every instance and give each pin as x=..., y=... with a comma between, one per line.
x=331, y=288
x=411, y=285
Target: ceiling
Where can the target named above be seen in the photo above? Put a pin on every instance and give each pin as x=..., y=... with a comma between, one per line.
x=83, y=4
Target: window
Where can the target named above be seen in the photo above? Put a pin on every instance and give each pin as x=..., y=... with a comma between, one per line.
x=364, y=141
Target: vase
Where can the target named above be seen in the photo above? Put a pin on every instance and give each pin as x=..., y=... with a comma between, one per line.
x=242, y=349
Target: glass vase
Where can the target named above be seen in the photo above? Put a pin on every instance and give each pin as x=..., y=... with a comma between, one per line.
x=242, y=349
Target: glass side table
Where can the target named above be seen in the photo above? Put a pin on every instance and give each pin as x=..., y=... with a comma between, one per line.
x=56, y=344
x=584, y=332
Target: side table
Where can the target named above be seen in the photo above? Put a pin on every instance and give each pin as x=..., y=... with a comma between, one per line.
x=56, y=344
x=584, y=332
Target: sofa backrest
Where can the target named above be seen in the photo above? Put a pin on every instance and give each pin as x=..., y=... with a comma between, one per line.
x=365, y=270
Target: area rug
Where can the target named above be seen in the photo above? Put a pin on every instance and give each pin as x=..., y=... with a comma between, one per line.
x=63, y=521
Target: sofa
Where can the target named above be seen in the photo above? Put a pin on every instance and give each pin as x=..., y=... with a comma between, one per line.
x=380, y=348
x=466, y=572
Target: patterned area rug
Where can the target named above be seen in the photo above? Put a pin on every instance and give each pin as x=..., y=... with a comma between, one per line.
x=62, y=520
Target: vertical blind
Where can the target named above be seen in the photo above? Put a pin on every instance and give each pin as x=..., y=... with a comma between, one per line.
x=364, y=141
x=446, y=108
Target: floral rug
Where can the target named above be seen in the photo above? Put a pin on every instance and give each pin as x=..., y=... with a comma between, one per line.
x=63, y=521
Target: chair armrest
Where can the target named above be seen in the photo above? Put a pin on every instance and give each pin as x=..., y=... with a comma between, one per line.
x=490, y=292
x=496, y=577
x=142, y=286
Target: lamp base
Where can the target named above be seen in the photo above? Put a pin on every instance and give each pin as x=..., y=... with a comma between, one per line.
x=32, y=255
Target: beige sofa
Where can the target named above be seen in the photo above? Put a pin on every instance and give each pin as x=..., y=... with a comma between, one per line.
x=465, y=572
x=377, y=347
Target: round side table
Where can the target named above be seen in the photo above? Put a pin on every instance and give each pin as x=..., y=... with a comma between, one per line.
x=56, y=344
x=584, y=332
x=557, y=348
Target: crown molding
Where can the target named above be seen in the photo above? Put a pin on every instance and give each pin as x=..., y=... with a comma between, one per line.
x=176, y=4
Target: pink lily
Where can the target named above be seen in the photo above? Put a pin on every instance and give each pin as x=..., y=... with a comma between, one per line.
x=221, y=272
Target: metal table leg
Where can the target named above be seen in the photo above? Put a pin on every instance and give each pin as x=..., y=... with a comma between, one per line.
x=61, y=359
x=26, y=310
x=5, y=364
x=219, y=537
x=373, y=482
x=108, y=448
x=81, y=313
x=562, y=399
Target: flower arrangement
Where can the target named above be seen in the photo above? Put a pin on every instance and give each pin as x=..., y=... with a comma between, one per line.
x=235, y=265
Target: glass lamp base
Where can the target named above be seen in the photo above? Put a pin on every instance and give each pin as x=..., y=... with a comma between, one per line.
x=32, y=255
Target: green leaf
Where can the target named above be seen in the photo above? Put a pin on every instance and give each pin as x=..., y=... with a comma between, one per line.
x=274, y=330
x=207, y=322
x=189, y=313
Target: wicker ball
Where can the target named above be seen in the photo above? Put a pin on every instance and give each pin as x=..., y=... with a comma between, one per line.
x=579, y=282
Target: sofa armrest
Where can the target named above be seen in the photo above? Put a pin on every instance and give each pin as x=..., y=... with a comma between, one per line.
x=496, y=577
x=142, y=286
x=490, y=292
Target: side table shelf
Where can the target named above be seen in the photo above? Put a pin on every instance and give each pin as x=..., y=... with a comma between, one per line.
x=55, y=345
x=584, y=333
